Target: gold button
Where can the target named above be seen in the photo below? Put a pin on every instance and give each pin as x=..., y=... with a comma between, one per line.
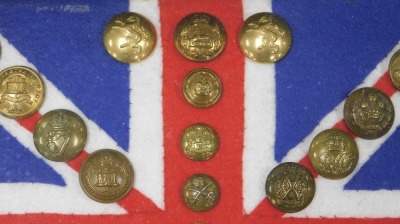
x=60, y=135
x=369, y=113
x=265, y=37
x=129, y=37
x=106, y=176
x=199, y=142
x=21, y=92
x=201, y=193
x=394, y=69
x=202, y=88
x=200, y=37
x=333, y=154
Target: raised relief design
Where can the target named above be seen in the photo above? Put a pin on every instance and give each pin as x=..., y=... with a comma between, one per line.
x=199, y=142
x=16, y=93
x=134, y=31
x=396, y=75
x=59, y=135
x=199, y=187
x=107, y=174
x=269, y=31
x=203, y=87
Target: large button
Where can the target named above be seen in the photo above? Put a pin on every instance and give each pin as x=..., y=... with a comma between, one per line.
x=201, y=192
x=369, y=113
x=265, y=37
x=394, y=69
x=129, y=37
x=199, y=142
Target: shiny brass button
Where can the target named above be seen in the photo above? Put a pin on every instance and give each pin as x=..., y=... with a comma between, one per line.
x=394, y=69
x=129, y=37
x=201, y=193
x=265, y=37
x=21, y=92
x=202, y=88
x=333, y=154
x=290, y=187
x=106, y=176
x=199, y=142
x=369, y=113
x=200, y=37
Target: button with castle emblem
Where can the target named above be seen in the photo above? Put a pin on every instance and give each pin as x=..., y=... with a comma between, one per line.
x=265, y=37
x=199, y=142
x=129, y=37
x=201, y=192
x=394, y=69
x=369, y=113
x=200, y=37
x=106, y=176
x=21, y=92
x=202, y=88
x=333, y=154
x=60, y=135
x=290, y=187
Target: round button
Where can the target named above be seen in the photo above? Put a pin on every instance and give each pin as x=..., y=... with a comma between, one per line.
x=200, y=37
x=106, y=176
x=369, y=113
x=129, y=37
x=201, y=192
x=290, y=187
x=333, y=154
x=394, y=69
x=21, y=92
x=202, y=88
x=265, y=37
x=199, y=142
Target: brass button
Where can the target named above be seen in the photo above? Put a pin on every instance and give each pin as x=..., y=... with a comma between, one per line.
x=333, y=154
x=201, y=192
x=394, y=69
x=60, y=135
x=106, y=176
x=369, y=113
x=199, y=142
x=129, y=37
x=21, y=92
x=202, y=88
x=265, y=37
x=290, y=187
x=200, y=37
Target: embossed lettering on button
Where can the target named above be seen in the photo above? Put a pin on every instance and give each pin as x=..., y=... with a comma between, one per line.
x=369, y=113
x=21, y=92
x=129, y=37
x=394, y=69
x=290, y=187
x=200, y=37
x=265, y=37
x=199, y=142
x=201, y=192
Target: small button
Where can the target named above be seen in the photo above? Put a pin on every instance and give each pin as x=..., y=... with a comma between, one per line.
x=201, y=192
x=394, y=69
x=199, y=142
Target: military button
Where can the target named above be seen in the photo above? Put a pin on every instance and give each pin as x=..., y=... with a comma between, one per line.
x=333, y=154
x=202, y=88
x=106, y=176
x=21, y=92
x=129, y=37
x=200, y=37
x=394, y=69
x=290, y=187
x=369, y=113
x=201, y=193
x=60, y=135
x=199, y=142
x=265, y=37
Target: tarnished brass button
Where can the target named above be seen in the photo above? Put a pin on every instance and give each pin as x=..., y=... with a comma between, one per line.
x=129, y=37
x=333, y=154
x=199, y=142
x=21, y=92
x=290, y=187
x=60, y=135
x=265, y=37
x=394, y=69
x=201, y=192
x=202, y=88
x=106, y=176
x=369, y=113
x=200, y=37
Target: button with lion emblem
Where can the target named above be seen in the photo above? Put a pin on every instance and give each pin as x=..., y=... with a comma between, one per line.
x=394, y=69
x=201, y=192
x=199, y=142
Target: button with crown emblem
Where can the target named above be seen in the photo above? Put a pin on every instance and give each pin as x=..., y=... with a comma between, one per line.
x=106, y=176
x=369, y=113
x=394, y=69
x=201, y=192
x=199, y=142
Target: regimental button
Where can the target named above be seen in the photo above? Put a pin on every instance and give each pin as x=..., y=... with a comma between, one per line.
x=201, y=193
x=200, y=37
x=265, y=37
x=106, y=176
x=129, y=37
x=202, y=88
x=369, y=113
x=21, y=92
x=199, y=142
x=60, y=135
x=333, y=154
x=290, y=187
x=394, y=69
